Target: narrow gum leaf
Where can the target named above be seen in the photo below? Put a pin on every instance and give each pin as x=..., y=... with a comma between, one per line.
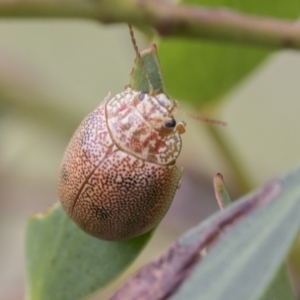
x=163, y=275
x=246, y=259
x=242, y=251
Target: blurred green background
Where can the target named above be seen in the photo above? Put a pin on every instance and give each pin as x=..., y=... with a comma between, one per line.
x=52, y=73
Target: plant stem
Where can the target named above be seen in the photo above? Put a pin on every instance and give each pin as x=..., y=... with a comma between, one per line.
x=167, y=18
x=240, y=178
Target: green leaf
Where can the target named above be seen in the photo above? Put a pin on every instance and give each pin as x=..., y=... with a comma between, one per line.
x=294, y=260
x=65, y=263
x=245, y=261
x=280, y=288
x=201, y=72
x=149, y=71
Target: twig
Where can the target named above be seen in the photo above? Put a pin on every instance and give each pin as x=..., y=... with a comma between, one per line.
x=167, y=18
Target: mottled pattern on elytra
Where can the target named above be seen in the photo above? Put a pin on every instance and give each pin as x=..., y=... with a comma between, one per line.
x=109, y=193
x=134, y=197
x=88, y=147
x=137, y=126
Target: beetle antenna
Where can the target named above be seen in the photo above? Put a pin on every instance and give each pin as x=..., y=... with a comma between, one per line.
x=140, y=58
x=199, y=118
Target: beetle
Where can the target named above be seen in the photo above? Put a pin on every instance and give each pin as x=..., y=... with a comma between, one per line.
x=118, y=175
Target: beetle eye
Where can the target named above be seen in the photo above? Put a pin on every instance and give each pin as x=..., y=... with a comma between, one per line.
x=170, y=123
x=142, y=96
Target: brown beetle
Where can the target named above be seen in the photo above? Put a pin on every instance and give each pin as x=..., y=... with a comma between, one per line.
x=118, y=175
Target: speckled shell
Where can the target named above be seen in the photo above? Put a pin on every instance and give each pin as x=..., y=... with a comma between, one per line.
x=110, y=193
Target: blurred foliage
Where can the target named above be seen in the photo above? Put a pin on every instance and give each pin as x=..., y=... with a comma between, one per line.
x=203, y=72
